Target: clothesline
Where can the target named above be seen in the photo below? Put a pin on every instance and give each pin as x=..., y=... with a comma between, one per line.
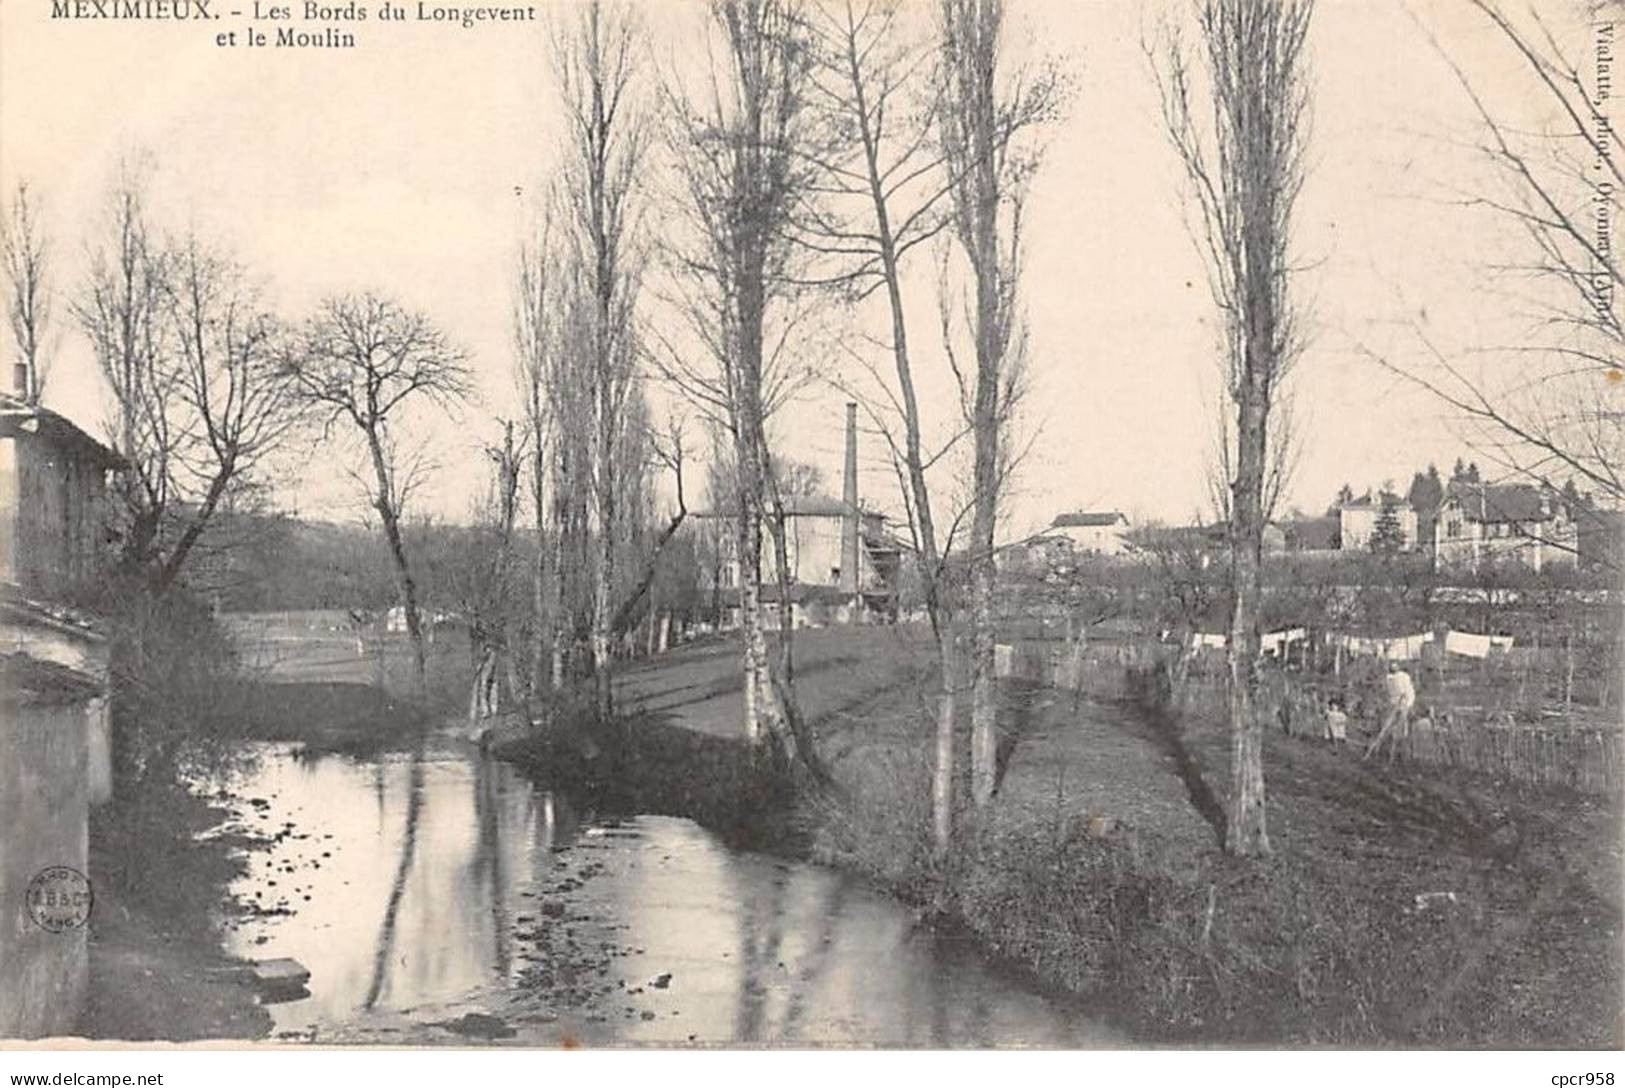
x=1398, y=648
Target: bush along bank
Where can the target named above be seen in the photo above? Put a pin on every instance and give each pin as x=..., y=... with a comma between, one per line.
x=161, y=886
x=641, y=765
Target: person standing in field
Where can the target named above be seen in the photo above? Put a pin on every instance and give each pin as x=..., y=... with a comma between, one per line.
x=1337, y=721
x=1401, y=692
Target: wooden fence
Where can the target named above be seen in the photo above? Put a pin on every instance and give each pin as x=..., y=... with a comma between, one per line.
x=1562, y=754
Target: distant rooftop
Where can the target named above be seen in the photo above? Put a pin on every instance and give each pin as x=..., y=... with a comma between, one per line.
x=1087, y=519
x=1385, y=498
x=1487, y=503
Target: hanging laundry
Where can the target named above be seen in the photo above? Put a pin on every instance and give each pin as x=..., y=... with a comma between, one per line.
x=1273, y=642
x=1408, y=648
x=1459, y=642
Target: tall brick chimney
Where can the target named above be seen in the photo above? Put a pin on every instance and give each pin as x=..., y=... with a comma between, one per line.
x=849, y=499
x=22, y=383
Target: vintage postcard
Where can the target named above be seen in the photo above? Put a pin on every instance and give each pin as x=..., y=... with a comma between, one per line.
x=1041, y=524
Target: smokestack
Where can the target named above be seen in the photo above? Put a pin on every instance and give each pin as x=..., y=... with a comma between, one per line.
x=19, y=378
x=849, y=497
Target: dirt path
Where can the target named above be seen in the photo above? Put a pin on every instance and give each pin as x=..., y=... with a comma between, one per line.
x=698, y=687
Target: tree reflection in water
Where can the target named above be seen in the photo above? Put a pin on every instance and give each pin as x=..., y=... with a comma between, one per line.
x=397, y=890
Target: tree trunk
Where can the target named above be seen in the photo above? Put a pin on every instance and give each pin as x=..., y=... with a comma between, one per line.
x=397, y=551
x=984, y=691
x=602, y=663
x=628, y=607
x=561, y=584
x=538, y=587
x=787, y=613
x=942, y=777
x=764, y=714
x=984, y=688
x=1245, y=830
x=170, y=569
x=603, y=475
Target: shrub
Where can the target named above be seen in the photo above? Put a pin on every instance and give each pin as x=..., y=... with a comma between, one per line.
x=175, y=702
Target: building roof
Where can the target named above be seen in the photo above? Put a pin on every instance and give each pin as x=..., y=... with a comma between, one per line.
x=1086, y=519
x=1487, y=503
x=31, y=681
x=17, y=418
x=1368, y=500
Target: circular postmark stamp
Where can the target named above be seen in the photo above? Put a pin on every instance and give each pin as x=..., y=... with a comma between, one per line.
x=59, y=898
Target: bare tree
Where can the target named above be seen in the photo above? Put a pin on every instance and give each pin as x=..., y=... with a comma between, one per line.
x=553, y=342
x=535, y=334
x=365, y=361
x=121, y=310
x=740, y=144
x=874, y=83
x=490, y=602
x=1245, y=172
x=978, y=117
x=225, y=349
x=596, y=58
x=1544, y=403
x=29, y=297
x=188, y=350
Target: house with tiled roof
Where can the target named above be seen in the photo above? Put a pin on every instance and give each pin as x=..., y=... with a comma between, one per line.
x=1521, y=522
x=1089, y=532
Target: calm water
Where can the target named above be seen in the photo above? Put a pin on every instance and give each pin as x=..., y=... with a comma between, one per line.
x=420, y=889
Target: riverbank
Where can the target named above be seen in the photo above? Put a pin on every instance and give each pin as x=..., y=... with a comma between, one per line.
x=332, y=716
x=157, y=971
x=1402, y=907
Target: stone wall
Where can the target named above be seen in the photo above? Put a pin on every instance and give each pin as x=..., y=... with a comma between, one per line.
x=44, y=810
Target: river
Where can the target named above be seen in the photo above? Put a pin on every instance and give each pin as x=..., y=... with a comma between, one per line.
x=439, y=896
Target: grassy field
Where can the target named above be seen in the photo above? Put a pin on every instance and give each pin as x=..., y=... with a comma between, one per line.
x=309, y=677
x=1403, y=904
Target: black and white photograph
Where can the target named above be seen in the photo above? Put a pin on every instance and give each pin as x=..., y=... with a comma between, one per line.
x=806, y=525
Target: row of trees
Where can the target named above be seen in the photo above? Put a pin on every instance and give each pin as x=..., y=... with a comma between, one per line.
x=810, y=165
x=830, y=148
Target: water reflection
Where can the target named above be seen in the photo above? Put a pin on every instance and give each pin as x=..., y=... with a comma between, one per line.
x=438, y=882
x=397, y=887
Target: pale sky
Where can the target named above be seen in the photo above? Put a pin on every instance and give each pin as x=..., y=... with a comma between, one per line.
x=404, y=165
